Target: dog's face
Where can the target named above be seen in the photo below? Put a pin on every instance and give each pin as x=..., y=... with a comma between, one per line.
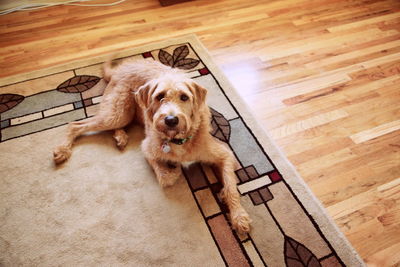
x=171, y=106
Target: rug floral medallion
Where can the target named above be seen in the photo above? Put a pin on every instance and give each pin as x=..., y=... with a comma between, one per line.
x=283, y=232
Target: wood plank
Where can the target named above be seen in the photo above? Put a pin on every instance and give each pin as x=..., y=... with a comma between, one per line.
x=376, y=132
x=307, y=123
x=364, y=22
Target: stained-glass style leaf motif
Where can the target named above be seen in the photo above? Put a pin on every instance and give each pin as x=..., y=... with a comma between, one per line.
x=186, y=64
x=166, y=58
x=180, y=53
x=178, y=58
x=297, y=254
x=78, y=84
x=8, y=101
x=220, y=126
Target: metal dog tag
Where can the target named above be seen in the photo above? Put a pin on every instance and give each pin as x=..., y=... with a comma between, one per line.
x=166, y=148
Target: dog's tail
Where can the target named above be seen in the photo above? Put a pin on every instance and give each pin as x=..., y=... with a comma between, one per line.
x=107, y=69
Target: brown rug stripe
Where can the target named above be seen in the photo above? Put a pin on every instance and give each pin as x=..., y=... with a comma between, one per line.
x=231, y=251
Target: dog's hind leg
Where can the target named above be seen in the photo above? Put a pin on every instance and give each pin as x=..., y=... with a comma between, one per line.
x=93, y=124
x=75, y=129
x=115, y=112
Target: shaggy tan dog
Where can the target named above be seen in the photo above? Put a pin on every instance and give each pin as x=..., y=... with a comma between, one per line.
x=177, y=124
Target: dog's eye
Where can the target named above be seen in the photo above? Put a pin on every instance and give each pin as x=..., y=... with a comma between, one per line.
x=160, y=96
x=184, y=97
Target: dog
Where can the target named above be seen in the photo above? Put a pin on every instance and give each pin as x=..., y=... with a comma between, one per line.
x=173, y=109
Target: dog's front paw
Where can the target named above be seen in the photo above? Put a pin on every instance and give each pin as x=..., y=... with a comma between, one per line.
x=61, y=154
x=240, y=220
x=168, y=180
x=121, y=139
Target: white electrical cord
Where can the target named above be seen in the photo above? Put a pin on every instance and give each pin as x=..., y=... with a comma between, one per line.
x=42, y=5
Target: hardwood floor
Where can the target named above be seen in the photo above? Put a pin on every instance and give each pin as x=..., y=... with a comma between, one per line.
x=321, y=76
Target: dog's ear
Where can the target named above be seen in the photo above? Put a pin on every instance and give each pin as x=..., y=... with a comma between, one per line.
x=143, y=94
x=199, y=93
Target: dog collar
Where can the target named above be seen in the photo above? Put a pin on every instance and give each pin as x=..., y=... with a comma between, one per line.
x=166, y=148
x=177, y=141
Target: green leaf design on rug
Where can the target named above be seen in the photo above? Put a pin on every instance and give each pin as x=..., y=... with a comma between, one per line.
x=221, y=128
x=178, y=59
x=8, y=101
x=78, y=84
x=297, y=254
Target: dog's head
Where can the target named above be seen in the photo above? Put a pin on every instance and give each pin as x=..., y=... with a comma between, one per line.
x=171, y=106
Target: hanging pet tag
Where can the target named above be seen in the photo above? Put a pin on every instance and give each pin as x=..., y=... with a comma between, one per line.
x=165, y=147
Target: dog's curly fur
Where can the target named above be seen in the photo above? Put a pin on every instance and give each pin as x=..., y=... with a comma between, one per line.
x=148, y=91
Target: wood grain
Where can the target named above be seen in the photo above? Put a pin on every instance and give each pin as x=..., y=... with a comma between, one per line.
x=322, y=76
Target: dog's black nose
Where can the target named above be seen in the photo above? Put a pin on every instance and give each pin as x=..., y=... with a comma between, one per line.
x=171, y=121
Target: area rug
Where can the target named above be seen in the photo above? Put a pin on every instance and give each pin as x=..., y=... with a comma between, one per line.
x=104, y=207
